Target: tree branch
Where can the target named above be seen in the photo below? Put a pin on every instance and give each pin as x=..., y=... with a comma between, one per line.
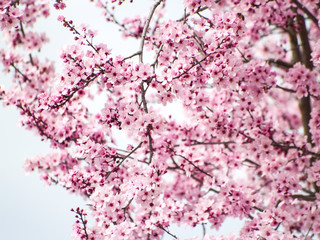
x=280, y=64
x=123, y=159
x=307, y=12
x=145, y=29
x=304, y=103
x=195, y=166
x=309, y=198
x=172, y=235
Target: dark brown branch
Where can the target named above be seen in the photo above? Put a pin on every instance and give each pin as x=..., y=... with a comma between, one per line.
x=80, y=215
x=285, y=89
x=254, y=164
x=114, y=19
x=143, y=98
x=192, y=66
x=198, y=62
x=296, y=54
x=150, y=143
x=132, y=55
x=68, y=97
x=21, y=29
x=40, y=124
x=22, y=74
x=308, y=232
x=304, y=103
x=125, y=209
x=309, y=198
x=75, y=31
x=195, y=142
x=287, y=146
x=307, y=12
x=280, y=64
x=154, y=64
x=304, y=38
x=305, y=108
x=195, y=166
x=143, y=90
x=123, y=159
x=245, y=60
x=145, y=108
x=172, y=235
x=264, y=185
x=258, y=209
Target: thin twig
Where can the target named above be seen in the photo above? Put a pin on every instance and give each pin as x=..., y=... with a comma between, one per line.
x=195, y=142
x=308, y=232
x=150, y=143
x=172, y=235
x=132, y=55
x=195, y=166
x=203, y=230
x=22, y=74
x=186, y=15
x=123, y=159
x=285, y=89
x=145, y=29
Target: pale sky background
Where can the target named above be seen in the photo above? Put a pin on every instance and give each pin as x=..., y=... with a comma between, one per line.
x=28, y=209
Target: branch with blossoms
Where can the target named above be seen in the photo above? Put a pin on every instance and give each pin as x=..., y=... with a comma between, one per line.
x=143, y=89
x=125, y=210
x=66, y=98
x=225, y=143
x=198, y=62
x=167, y=231
x=239, y=93
x=69, y=24
x=81, y=219
x=307, y=12
x=25, y=78
x=38, y=122
x=195, y=166
x=285, y=146
x=122, y=160
x=145, y=29
x=199, y=10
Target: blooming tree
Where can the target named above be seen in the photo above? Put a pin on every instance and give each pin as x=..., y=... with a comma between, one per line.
x=246, y=74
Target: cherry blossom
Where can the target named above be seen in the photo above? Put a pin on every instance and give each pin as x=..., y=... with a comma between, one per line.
x=246, y=75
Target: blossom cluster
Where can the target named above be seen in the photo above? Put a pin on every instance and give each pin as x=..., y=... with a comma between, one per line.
x=245, y=75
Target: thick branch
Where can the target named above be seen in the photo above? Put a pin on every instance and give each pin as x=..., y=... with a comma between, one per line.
x=304, y=38
x=304, y=103
x=280, y=64
x=296, y=55
x=309, y=198
x=307, y=12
